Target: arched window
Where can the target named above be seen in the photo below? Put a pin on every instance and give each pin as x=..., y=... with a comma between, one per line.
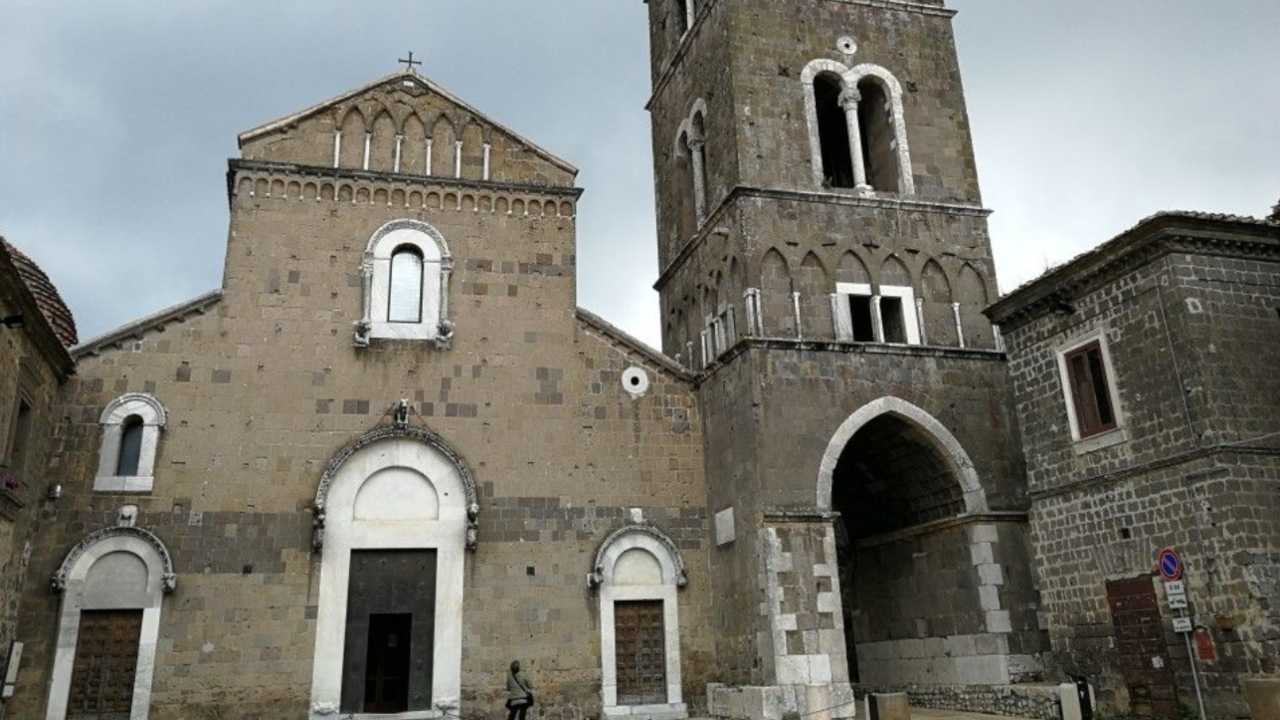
x=680, y=9
x=637, y=573
x=130, y=446
x=131, y=426
x=406, y=285
x=875, y=124
x=833, y=131
x=404, y=300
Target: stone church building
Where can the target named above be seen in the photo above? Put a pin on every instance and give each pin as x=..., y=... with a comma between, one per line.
x=390, y=454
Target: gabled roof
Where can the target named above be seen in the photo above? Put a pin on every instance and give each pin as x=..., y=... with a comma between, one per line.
x=635, y=345
x=32, y=296
x=431, y=86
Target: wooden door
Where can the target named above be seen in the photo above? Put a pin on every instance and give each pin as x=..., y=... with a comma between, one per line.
x=105, y=665
x=1144, y=658
x=641, y=652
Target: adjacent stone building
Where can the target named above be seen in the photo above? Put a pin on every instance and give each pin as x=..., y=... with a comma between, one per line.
x=35, y=329
x=1145, y=384
x=390, y=454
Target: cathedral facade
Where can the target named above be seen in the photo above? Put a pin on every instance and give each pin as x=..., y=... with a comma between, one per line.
x=390, y=454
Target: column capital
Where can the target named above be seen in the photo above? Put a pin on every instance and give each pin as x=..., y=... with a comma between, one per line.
x=849, y=98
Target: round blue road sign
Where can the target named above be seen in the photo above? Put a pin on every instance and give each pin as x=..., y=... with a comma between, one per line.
x=1169, y=563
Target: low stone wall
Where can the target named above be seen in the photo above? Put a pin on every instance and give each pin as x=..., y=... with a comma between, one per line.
x=1038, y=701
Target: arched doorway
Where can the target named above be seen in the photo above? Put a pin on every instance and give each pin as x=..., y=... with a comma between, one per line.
x=395, y=515
x=909, y=581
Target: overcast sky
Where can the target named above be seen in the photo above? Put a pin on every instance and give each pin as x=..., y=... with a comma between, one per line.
x=116, y=120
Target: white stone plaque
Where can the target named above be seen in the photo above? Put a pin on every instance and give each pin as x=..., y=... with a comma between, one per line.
x=1182, y=624
x=1177, y=602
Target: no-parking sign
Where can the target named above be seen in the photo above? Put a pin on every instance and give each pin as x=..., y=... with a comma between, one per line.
x=1169, y=563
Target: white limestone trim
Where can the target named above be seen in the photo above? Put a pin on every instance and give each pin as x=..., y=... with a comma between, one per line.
x=376, y=269
x=457, y=158
x=488, y=153
x=975, y=498
x=924, y=332
x=955, y=313
x=850, y=77
x=368, y=142
x=752, y=298
x=343, y=532
x=841, y=313
x=74, y=601
x=1075, y=342
x=337, y=147
x=909, y=318
x=795, y=315
x=611, y=591
x=112, y=420
x=428, y=170
x=399, y=146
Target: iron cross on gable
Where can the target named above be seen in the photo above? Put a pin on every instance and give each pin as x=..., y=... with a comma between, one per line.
x=410, y=62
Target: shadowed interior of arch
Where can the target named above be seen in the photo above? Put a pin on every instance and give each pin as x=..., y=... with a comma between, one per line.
x=893, y=475
x=875, y=122
x=833, y=131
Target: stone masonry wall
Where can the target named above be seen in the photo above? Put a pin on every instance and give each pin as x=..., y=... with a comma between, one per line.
x=1186, y=333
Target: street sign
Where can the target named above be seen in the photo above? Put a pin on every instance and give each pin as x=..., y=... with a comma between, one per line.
x=1177, y=602
x=1169, y=563
x=1174, y=587
x=1182, y=624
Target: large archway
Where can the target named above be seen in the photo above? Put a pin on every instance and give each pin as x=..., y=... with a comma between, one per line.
x=909, y=581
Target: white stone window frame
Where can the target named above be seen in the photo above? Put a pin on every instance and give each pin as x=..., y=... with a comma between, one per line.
x=70, y=581
x=342, y=533
x=658, y=545
x=843, y=316
x=434, y=324
x=849, y=78
x=692, y=142
x=1118, y=434
x=112, y=421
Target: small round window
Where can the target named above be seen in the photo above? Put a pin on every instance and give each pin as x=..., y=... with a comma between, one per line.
x=635, y=381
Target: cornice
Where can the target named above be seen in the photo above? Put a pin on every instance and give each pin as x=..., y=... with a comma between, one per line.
x=275, y=167
x=632, y=343
x=155, y=321
x=712, y=224
x=1151, y=239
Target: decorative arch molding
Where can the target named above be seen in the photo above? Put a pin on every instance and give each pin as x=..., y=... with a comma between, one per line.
x=434, y=324
x=975, y=498
x=142, y=404
x=850, y=77
x=168, y=578
x=397, y=431
x=82, y=591
x=639, y=566
x=691, y=142
x=609, y=550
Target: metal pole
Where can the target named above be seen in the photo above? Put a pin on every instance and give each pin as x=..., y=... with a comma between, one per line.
x=1195, y=676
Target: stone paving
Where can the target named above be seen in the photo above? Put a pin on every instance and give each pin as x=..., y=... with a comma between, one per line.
x=927, y=714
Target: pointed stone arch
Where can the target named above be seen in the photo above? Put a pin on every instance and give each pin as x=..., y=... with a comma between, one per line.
x=351, y=139
x=776, y=302
x=975, y=498
x=382, y=142
x=441, y=148
x=813, y=283
x=936, y=302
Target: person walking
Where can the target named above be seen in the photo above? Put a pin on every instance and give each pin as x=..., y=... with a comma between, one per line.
x=519, y=693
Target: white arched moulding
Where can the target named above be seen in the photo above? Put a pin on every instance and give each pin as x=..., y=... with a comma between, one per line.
x=117, y=568
x=975, y=498
x=433, y=323
x=849, y=79
x=639, y=563
x=395, y=488
x=113, y=420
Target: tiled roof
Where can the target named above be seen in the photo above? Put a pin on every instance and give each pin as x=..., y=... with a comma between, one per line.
x=46, y=295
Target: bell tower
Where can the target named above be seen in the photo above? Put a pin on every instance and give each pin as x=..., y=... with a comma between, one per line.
x=824, y=263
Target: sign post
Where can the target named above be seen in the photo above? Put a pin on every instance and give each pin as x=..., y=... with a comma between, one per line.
x=1169, y=564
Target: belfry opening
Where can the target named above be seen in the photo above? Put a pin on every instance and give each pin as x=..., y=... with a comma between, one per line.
x=898, y=564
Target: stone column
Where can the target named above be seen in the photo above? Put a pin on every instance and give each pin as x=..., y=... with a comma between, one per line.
x=399, y=145
x=955, y=310
x=924, y=333
x=849, y=100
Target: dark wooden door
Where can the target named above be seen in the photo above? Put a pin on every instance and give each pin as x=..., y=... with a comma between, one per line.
x=1144, y=658
x=105, y=665
x=390, y=634
x=641, y=652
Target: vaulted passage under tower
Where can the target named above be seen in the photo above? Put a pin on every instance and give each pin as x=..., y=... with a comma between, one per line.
x=902, y=578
